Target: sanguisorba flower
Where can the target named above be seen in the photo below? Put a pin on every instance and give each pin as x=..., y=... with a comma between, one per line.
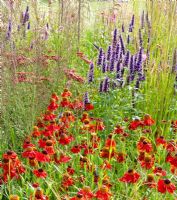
x=40, y=173
x=131, y=176
x=166, y=186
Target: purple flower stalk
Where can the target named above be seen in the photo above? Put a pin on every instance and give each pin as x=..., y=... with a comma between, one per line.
x=104, y=65
x=140, y=38
x=28, y=27
x=137, y=85
x=86, y=99
x=106, y=85
x=109, y=53
x=114, y=39
x=101, y=87
x=122, y=45
x=91, y=73
x=127, y=57
x=9, y=31
x=100, y=57
x=128, y=39
x=112, y=62
x=117, y=51
x=26, y=16
x=123, y=29
x=142, y=20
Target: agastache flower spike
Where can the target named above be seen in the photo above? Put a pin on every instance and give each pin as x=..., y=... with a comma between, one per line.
x=128, y=39
x=112, y=62
x=127, y=57
x=122, y=45
x=106, y=85
x=101, y=87
x=117, y=51
x=140, y=38
x=142, y=20
x=91, y=73
x=28, y=27
x=123, y=29
x=114, y=39
x=9, y=31
x=100, y=57
x=26, y=16
x=109, y=53
x=104, y=65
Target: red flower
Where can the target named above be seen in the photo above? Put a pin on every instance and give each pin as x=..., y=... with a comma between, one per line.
x=110, y=143
x=159, y=171
x=65, y=102
x=173, y=160
x=148, y=162
x=166, y=186
x=75, y=149
x=49, y=116
x=118, y=130
x=54, y=96
x=144, y=145
x=120, y=157
x=135, y=124
x=150, y=181
x=67, y=181
x=36, y=132
x=103, y=193
x=86, y=193
x=148, y=121
x=70, y=170
x=40, y=173
x=130, y=177
x=65, y=140
x=10, y=155
x=160, y=140
x=53, y=105
x=88, y=106
x=66, y=93
x=43, y=157
x=171, y=146
x=64, y=159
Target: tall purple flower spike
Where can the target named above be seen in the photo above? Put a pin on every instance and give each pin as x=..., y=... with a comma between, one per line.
x=91, y=73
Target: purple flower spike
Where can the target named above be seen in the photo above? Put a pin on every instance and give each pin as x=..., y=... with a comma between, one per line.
x=112, y=62
x=127, y=57
x=106, y=85
x=91, y=73
x=114, y=43
x=137, y=85
x=140, y=38
x=142, y=20
x=100, y=57
x=101, y=87
x=86, y=99
x=117, y=52
x=104, y=65
x=9, y=31
x=28, y=27
x=123, y=29
x=122, y=45
x=109, y=53
x=128, y=39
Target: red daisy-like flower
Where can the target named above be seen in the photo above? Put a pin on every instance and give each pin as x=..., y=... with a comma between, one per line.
x=144, y=145
x=118, y=130
x=75, y=149
x=86, y=193
x=150, y=182
x=43, y=157
x=54, y=96
x=110, y=143
x=120, y=157
x=160, y=141
x=70, y=170
x=135, y=124
x=148, y=121
x=65, y=140
x=159, y=171
x=40, y=173
x=147, y=162
x=88, y=106
x=53, y=105
x=171, y=146
x=103, y=193
x=130, y=177
x=65, y=102
x=66, y=93
x=164, y=186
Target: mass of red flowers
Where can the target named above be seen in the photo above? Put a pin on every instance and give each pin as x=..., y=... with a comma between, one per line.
x=75, y=152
